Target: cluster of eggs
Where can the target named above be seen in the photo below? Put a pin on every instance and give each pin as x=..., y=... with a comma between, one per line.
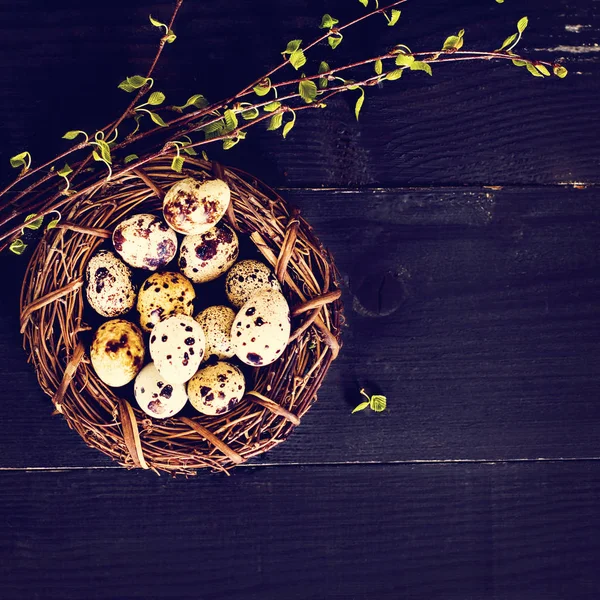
x=192, y=355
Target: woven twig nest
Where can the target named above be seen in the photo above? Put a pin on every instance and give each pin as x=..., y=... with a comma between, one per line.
x=53, y=323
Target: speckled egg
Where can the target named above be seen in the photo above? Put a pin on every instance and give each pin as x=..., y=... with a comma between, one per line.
x=163, y=295
x=155, y=396
x=261, y=329
x=216, y=389
x=145, y=242
x=193, y=207
x=117, y=352
x=216, y=322
x=246, y=278
x=109, y=289
x=208, y=255
x=177, y=348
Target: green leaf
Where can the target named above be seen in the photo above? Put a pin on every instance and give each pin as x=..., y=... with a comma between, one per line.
x=378, y=67
x=216, y=127
x=378, y=403
x=17, y=247
x=133, y=83
x=519, y=63
x=560, y=71
x=22, y=159
x=230, y=143
x=231, y=121
x=289, y=125
x=454, y=42
x=157, y=23
x=500, y=1
x=359, y=103
x=170, y=37
x=307, y=90
x=130, y=158
x=327, y=22
x=197, y=100
x=190, y=151
x=275, y=122
x=323, y=68
x=365, y=3
x=404, y=60
x=104, y=150
x=394, y=75
x=522, y=24
x=157, y=119
x=65, y=171
x=71, y=135
x=292, y=46
x=263, y=88
x=335, y=41
x=156, y=98
x=533, y=70
x=250, y=114
x=508, y=41
x=419, y=65
x=177, y=163
x=272, y=106
x=360, y=407
x=96, y=156
x=394, y=17
x=543, y=70
x=34, y=222
x=297, y=59
x=53, y=224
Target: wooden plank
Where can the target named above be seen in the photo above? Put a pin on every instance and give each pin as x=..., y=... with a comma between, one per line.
x=479, y=124
x=433, y=532
x=475, y=311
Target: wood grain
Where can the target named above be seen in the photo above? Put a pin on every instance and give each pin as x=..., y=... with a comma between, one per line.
x=478, y=124
x=447, y=532
x=483, y=336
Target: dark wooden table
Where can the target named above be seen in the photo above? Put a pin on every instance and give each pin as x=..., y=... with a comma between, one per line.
x=463, y=211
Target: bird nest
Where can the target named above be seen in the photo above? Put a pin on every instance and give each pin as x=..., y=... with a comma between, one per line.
x=55, y=324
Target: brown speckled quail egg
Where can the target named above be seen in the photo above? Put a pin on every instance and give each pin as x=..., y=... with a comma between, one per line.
x=216, y=322
x=261, y=329
x=155, y=396
x=246, y=278
x=216, y=389
x=193, y=207
x=109, y=289
x=208, y=255
x=163, y=295
x=145, y=242
x=117, y=352
x=177, y=348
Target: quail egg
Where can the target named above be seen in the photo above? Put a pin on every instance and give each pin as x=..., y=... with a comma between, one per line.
x=261, y=329
x=145, y=242
x=216, y=322
x=177, y=348
x=246, y=278
x=117, y=352
x=193, y=207
x=109, y=289
x=155, y=396
x=206, y=256
x=163, y=295
x=216, y=389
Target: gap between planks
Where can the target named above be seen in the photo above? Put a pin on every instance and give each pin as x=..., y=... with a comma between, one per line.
x=418, y=462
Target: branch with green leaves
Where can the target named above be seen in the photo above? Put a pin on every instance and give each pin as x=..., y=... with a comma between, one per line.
x=177, y=130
